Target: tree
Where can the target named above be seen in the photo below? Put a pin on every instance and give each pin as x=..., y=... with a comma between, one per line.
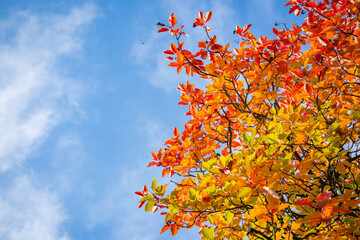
x=272, y=149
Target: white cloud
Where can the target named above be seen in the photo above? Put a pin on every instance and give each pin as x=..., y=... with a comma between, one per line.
x=34, y=96
x=27, y=212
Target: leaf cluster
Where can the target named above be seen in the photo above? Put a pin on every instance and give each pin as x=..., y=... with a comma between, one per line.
x=272, y=149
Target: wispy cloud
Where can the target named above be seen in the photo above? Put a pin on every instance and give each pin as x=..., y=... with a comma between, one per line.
x=34, y=96
x=30, y=212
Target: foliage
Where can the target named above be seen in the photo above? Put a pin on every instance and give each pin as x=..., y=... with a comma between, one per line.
x=272, y=150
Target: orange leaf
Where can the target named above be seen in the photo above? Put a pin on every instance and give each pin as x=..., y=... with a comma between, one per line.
x=152, y=164
x=175, y=131
x=172, y=20
x=204, y=55
x=164, y=229
x=198, y=22
x=154, y=155
x=238, y=30
x=173, y=48
x=159, y=154
x=174, y=229
x=308, y=88
x=173, y=64
x=202, y=44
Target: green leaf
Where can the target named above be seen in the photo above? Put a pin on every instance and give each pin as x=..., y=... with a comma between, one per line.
x=210, y=219
x=273, y=111
x=160, y=190
x=334, y=127
x=208, y=233
x=355, y=115
x=153, y=184
x=326, y=105
x=273, y=137
x=149, y=205
x=245, y=137
x=145, y=198
x=244, y=192
x=192, y=194
x=229, y=216
x=170, y=216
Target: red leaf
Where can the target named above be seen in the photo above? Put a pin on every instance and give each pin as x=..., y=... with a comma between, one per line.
x=311, y=4
x=326, y=195
x=310, y=18
x=169, y=58
x=201, y=14
x=290, y=3
x=197, y=62
x=141, y=204
x=168, y=52
x=139, y=193
x=293, y=8
x=246, y=27
x=323, y=41
x=303, y=202
x=175, y=131
x=163, y=30
x=275, y=31
x=208, y=16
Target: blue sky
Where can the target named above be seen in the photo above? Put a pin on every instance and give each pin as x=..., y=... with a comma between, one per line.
x=85, y=96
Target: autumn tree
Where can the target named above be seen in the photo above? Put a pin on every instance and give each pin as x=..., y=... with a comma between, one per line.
x=272, y=149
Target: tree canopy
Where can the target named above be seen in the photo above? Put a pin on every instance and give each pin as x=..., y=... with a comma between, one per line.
x=272, y=149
